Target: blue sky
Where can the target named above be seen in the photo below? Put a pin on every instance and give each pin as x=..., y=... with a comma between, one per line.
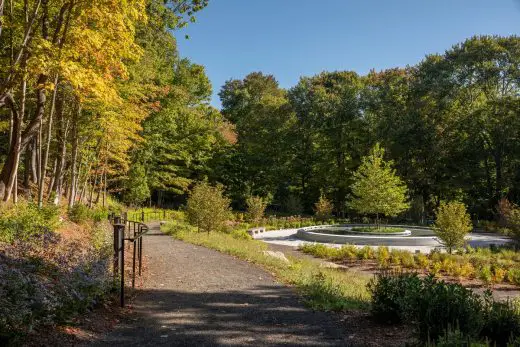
x=293, y=38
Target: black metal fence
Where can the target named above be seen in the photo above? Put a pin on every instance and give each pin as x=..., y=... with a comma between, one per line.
x=132, y=232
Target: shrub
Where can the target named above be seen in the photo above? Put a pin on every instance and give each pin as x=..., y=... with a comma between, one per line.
x=347, y=252
x=207, y=208
x=432, y=306
x=485, y=274
x=422, y=261
x=389, y=292
x=513, y=276
x=452, y=224
x=502, y=321
x=323, y=208
x=407, y=259
x=366, y=253
x=79, y=213
x=513, y=222
x=455, y=338
x=498, y=274
x=383, y=256
x=25, y=220
x=256, y=206
x=395, y=257
x=435, y=268
x=241, y=235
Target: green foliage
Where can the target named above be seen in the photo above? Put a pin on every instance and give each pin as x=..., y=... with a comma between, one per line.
x=377, y=188
x=377, y=230
x=502, y=321
x=207, y=207
x=443, y=312
x=432, y=306
x=293, y=204
x=256, y=206
x=80, y=213
x=24, y=220
x=137, y=186
x=452, y=224
x=323, y=208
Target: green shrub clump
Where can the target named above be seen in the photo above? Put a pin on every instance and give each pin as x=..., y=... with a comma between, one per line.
x=434, y=307
x=25, y=220
x=80, y=213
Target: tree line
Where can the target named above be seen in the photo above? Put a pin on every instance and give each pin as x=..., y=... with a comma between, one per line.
x=450, y=124
x=89, y=89
x=96, y=99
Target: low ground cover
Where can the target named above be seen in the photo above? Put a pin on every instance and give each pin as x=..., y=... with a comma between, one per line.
x=50, y=271
x=489, y=265
x=323, y=288
x=377, y=230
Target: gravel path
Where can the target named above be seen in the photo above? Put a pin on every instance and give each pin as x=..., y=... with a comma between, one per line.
x=198, y=297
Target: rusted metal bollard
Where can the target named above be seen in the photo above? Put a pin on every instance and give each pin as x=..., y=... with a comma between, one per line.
x=119, y=257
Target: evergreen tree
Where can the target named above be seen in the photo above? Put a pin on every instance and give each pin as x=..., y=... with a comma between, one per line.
x=377, y=188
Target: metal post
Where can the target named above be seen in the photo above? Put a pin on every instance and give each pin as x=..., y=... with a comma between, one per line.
x=119, y=256
x=133, y=266
x=122, y=276
x=142, y=216
x=164, y=214
x=140, y=254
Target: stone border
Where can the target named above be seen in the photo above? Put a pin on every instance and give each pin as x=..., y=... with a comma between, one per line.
x=306, y=234
x=405, y=232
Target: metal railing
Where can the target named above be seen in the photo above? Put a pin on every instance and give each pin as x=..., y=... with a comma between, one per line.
x=132, y=232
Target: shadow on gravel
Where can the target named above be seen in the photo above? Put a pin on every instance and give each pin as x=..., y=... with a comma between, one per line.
x=260, y=316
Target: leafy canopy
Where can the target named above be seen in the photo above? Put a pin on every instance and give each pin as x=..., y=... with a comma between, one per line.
x=377, y=188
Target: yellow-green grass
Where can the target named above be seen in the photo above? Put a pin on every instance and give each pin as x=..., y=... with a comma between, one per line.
x=323, y=288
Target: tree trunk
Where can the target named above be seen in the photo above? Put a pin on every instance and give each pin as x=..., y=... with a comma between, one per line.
x=92, y=188
x=61, y=133
x=10, y=168
x=34, y=160
x=73, y=169
x=51, y=181
x=48, y=144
